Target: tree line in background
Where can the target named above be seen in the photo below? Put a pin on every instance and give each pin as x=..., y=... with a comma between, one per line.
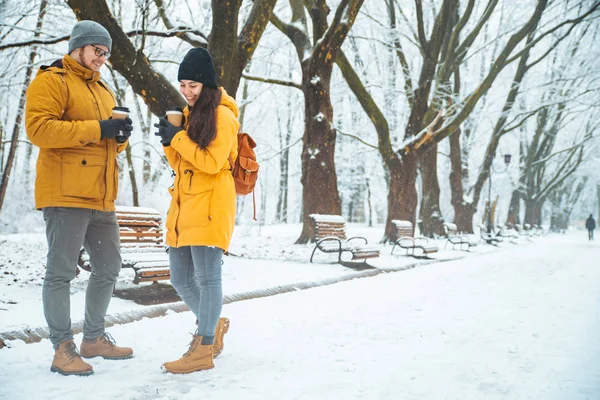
x=439, y=62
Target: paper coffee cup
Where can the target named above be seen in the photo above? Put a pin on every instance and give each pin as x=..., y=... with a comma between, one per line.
x=120, y=112
x=175, y=116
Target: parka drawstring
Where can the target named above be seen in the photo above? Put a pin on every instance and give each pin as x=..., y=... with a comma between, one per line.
x=191, y=176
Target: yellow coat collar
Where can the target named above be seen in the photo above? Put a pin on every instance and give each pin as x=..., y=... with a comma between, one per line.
x=79, y=70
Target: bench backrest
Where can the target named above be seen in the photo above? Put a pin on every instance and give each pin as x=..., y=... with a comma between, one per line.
x=403, y=228
x=139, y=227
x=518, y=227
x=329, y=225
x=450, y=229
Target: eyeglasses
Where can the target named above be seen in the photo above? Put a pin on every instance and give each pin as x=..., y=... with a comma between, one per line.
x=100, y=53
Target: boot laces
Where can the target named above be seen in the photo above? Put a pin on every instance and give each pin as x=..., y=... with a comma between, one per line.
x=193, y=344
x=71, y=351
x=108, y=339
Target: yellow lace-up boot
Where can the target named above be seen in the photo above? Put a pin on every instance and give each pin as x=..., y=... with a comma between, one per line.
x=198, y=357
x=67, y=360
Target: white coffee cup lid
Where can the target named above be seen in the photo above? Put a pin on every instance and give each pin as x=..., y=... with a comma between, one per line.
x=174, y=112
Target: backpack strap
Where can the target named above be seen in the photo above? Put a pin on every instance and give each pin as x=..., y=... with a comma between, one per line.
x=254, y=204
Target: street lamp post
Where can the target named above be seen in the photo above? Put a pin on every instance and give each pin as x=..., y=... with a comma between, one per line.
x=507, y=158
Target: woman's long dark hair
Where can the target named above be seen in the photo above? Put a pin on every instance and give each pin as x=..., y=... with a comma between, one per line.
x=202, y=126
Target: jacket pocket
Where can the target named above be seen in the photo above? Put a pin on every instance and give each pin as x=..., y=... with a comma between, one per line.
x=196, y=192
x=83, y=176
x=195, y=182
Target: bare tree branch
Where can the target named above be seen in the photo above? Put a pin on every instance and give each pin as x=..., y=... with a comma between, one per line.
x=176, y=32
x=573, y=21
x=274, y=81
x=183, y=35
x=355, y=137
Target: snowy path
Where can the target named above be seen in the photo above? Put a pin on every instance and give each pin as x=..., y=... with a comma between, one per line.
x=522, y=323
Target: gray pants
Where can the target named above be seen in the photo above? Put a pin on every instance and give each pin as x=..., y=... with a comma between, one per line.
x=67, y=230
x=196, y=275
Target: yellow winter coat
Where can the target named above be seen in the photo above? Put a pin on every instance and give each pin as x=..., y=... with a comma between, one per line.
x=75, y=168
x=202, y=210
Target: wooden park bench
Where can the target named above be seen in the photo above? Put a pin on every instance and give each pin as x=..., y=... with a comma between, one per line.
x=405, y=239
x=142, y=246
x=508, y=233
x=455, y=238
x=523, y=232
x=488, y=237
x=330, y=237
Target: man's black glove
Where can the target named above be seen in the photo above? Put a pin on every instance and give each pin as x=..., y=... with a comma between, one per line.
x=123, y=137
x=166, y=131
x=111, y=128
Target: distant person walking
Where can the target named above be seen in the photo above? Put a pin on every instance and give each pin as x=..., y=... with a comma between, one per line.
x=590, y=225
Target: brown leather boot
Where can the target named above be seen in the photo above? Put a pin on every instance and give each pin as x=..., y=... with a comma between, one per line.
x=67, y=360
x=105, y=347
x=198, y=357
x=220, y=331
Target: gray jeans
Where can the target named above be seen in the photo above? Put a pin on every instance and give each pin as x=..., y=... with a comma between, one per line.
x=196, y=275
x=67, y=230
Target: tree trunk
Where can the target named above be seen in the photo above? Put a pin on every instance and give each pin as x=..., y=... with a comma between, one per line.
x=530, y=212
x=318, y=151
x=493, y=209
x=539, y=206
x=402, y=195
x=12, y=150
x=222, y=42
x=319, y=179
x=244, y=105
x=598, y=195
x=463, y=210
x=145, y=124
x=513, y=218
x=2, y=147
x=231, y=51
x=131, y=169
x=147, y=153
x=26, y=164
x=369, y=205
x=284, y=163
x=433, y=223
x=120, y=94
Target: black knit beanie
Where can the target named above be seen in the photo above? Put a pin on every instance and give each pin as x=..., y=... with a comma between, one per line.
x=198, y=66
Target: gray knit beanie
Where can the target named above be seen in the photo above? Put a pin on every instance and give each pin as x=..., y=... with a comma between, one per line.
x=89, y=32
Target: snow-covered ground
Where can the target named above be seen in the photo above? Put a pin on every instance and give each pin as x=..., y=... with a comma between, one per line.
x=266, y=258
x=520, y=322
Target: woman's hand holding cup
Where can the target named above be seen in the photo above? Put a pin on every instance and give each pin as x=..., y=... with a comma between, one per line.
x=175, y=116
x=166, y=130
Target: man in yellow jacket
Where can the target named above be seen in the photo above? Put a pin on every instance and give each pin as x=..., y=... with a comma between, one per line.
x=68, y=116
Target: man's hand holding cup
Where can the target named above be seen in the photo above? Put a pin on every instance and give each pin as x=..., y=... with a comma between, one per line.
x=117, y=127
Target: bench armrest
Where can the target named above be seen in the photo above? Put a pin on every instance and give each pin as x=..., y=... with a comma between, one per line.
x=358, y=237
x=408, y=239
x=330, y=239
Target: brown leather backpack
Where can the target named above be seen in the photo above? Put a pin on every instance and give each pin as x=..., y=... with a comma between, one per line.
x=245, y=168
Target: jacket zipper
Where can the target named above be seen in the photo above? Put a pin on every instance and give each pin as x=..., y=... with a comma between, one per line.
x=97, y=102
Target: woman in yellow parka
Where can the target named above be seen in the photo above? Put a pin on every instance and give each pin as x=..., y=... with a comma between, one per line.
x=202, y=212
